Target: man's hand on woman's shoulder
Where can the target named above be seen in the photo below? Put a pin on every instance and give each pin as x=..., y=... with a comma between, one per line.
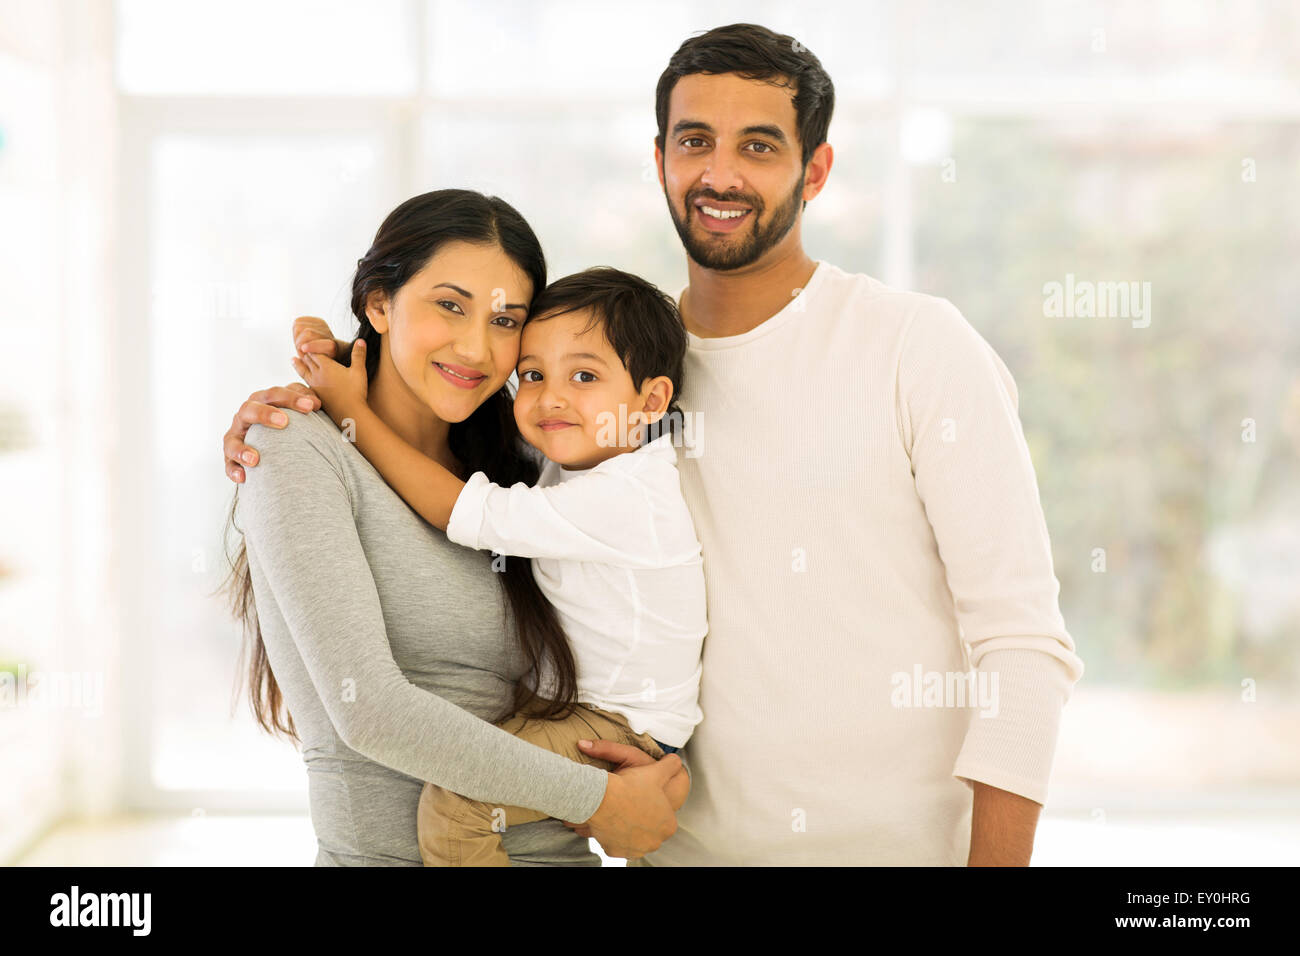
x=262, y=408
x=310, y=334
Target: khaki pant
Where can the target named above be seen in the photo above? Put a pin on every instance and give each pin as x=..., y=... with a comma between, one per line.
x=456, y=831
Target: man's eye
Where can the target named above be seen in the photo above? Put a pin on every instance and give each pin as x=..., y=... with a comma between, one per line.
x=766, y=148
x=692, y=139
x=585, y=382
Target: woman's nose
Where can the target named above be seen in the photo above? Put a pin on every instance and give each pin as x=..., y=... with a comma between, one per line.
x=472, y=344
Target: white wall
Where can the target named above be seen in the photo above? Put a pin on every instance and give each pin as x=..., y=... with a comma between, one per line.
x=61, y=748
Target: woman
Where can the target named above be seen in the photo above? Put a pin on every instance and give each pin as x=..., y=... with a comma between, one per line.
x=389, y=647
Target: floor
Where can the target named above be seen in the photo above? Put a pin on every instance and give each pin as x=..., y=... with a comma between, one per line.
x=246, y=840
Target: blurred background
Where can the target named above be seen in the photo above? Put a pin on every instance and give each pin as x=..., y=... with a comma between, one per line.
x=178, y=180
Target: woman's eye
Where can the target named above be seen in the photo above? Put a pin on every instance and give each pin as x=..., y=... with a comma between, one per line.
x=585, y=381
x=510, y=323
x=447, y=303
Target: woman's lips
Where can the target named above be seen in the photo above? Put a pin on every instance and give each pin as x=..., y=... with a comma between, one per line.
x=456, y=379
x=554, y=426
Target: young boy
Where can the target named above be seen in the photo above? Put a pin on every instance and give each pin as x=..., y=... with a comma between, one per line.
x=612, y=542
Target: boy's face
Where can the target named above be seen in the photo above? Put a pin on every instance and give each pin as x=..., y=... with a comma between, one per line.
x=732, y=145
x=571, y=387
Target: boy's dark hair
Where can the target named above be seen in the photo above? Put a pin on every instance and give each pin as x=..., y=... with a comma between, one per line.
x=755, y=53
x=640, y=322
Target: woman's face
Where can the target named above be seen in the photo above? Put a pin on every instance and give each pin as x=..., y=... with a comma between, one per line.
x=452, y=331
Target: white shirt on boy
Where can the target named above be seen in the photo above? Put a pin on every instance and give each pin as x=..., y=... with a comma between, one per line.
x=614, y=550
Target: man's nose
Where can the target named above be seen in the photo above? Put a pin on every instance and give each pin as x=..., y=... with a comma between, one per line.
x=722, y=175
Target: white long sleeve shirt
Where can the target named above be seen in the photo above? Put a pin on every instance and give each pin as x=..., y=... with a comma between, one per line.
x=871, y=526
x=615, y=551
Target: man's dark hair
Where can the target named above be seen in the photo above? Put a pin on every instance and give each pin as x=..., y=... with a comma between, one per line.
x=640, y=322
x=755, y=53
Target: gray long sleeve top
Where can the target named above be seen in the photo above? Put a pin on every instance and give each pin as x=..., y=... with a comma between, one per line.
x=392, y=647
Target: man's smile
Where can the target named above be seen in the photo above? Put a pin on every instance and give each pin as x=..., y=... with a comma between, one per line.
x=721, y=216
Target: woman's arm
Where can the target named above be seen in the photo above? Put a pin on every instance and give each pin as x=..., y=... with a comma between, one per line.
x=296, y=512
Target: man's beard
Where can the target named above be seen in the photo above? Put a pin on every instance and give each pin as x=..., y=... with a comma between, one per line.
x=723, y=251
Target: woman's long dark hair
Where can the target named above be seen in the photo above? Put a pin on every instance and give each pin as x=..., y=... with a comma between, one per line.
x=488, y=441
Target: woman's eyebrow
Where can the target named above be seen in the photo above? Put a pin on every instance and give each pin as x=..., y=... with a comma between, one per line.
x=470, y=295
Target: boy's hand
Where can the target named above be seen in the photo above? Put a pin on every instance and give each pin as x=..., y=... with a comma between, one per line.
x=342, y=388
x=311, y=334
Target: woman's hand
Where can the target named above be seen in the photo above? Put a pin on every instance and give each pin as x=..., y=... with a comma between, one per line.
x=342, y=388
x=262, y=408
x=622, y=757
x=636, y=817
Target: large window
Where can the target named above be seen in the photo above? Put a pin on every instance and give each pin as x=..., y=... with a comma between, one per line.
x=981, y=153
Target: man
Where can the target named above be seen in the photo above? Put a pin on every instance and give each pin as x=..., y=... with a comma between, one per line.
x=886, y=661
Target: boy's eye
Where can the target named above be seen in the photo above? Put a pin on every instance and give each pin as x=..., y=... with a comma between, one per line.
x=585, y=381
x=523, y=376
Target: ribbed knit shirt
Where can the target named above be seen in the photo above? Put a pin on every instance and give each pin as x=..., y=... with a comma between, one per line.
x=871, y=531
